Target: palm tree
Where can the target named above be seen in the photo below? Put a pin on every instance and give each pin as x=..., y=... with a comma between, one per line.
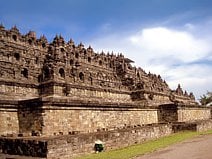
x=206, y=99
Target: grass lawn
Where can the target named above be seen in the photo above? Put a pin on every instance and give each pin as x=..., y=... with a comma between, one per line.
x=146, y=147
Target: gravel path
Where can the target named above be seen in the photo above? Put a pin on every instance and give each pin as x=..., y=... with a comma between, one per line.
x=196, y=148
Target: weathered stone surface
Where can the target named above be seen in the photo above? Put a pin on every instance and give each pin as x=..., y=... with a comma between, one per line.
x=60, y=88
x=23, y=147
x=68, y=146
x=9, y=118
x=167, y=113
x=32, y=67
x=204, y=125
x=200, y=126
x=177, y=113
x=190, y=114
x=88, y=120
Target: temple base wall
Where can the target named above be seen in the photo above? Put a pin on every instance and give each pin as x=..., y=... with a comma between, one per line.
x=190, y=114
x=84, y=143
x=49, y=119
x=9, y=123
x=69, y=146
x=204, y=125
x=64, y=121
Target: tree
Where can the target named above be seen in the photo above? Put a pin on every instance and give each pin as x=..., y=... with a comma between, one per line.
x=206, y=99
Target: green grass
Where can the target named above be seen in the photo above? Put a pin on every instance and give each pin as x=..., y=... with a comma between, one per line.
x=147, y=147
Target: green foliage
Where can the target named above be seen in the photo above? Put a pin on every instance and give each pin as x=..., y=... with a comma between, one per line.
x=147, y=147
x=206, y=99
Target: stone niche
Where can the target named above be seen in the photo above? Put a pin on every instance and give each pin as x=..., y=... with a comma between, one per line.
x=167, y=113
x=30, y=117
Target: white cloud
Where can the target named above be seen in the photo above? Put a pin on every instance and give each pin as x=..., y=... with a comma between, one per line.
x=194, y=77
x=165, y=42
x=174, y=54
x=189, y=26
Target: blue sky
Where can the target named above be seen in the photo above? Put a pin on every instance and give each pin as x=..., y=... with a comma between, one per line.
x=167, y=37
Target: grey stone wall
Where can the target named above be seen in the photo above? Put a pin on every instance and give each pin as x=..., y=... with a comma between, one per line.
x=84, y=143
x=72, y=145
x=186, y=114
x=51, y=116
x=68, y=146
x=200, y=126
x=9, y=118
x=22, y=147
x=204, y=125
x=90, y=119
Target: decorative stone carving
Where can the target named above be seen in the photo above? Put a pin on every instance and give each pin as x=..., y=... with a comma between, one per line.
x=32, y=68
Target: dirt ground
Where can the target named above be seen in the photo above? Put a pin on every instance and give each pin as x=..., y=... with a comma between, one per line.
x=196, y=148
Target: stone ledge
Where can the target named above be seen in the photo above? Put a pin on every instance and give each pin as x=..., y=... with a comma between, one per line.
x=78, y=144
x=198, y=125
x=74, y=144
x=15, y=83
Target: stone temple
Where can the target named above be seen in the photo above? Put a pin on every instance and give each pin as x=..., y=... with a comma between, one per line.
x=59, y=93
